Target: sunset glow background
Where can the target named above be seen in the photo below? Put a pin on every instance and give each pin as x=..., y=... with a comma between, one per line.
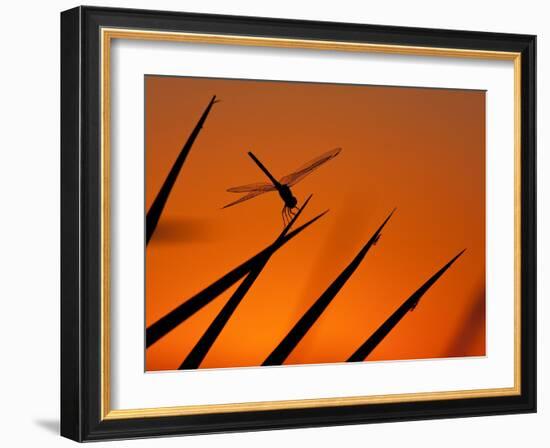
x=420, y=150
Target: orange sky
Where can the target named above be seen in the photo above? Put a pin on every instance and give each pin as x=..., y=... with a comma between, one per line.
x=420, y=150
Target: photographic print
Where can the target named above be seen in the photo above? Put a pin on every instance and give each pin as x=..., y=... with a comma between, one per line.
x=309, y=223
x=272, y=223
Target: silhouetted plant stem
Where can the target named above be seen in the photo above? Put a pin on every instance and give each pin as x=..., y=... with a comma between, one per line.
x=202, y=347
x=155, y=211
x=291, y=340
x=378, y=336
x=184, y=311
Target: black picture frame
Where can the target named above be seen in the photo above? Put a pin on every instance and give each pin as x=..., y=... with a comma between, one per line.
x=81, y=228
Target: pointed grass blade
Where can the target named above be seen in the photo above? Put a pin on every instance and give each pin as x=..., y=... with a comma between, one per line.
x=378, y=336
x=291, y=340
x=188, y=308
x=155, y=211
x=207, y=340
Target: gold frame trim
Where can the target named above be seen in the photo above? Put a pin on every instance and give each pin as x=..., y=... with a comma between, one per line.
x=107, y=35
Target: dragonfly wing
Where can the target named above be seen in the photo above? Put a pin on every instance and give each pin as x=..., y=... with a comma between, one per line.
x=246, y=197
x=261, y=187
x=312, y=165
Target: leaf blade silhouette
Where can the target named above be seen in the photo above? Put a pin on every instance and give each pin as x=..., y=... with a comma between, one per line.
x=308, y=319
x=155, y=211
x=197, y=354
x=188, y=308
x=378, y=336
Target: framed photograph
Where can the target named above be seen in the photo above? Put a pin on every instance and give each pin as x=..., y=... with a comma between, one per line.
x=274, y=224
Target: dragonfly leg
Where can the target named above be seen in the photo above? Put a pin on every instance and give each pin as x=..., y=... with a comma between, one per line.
x=287, y=214
x=283, y=214
x=291, y=212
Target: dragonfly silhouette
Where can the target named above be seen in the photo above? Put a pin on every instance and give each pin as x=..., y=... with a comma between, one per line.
x=282, y=186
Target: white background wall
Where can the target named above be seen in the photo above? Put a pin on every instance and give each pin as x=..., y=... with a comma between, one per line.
x=29, y=219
